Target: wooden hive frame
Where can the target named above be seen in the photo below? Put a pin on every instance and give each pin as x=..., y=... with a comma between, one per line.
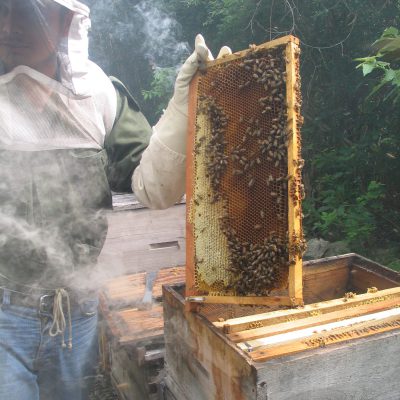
x=356, y=314
x=293, y=296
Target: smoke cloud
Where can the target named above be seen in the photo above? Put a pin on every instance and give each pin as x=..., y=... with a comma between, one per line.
x=161, y=31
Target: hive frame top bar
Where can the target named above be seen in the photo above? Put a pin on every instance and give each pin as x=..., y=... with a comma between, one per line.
x=268, y=45
x=294, y=292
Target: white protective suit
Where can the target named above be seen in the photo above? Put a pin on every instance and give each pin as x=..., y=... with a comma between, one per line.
x=85, y=101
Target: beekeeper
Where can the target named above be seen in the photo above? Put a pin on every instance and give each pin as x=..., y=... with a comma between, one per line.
x=67, y=134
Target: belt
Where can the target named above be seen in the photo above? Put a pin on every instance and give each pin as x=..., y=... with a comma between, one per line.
x=42, y=301
x=52, y=303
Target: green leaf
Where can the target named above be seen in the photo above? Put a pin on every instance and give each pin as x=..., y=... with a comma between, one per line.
x=368, y=68
x=390, y=32
x=390, y=74
x=365, y=60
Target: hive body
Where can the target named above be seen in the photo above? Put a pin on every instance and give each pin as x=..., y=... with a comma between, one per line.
x=211, y=357
x=244, y=177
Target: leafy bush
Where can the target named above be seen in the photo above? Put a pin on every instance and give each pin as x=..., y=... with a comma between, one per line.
x=386, y=63
x=351, y=140
x=161, y=87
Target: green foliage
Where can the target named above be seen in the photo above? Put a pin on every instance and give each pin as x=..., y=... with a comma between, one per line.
x=341, y=215
x=395, y=264
x=386, y=64
x=351, y=140
x=161, y=88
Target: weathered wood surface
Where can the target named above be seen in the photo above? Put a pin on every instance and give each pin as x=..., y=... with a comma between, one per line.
x=133, y=379
x=143, y=240
x=324, y=337
x=128, y=201
x=202, y=363
x=120, y=305
x=198, y=366
x=128, y=290
x=132, y=350
x=280, y=316
x=284, y=327
x=326, y=282
x=275, y=301
x=365, y=369
x=132, y=340
x=293, y=154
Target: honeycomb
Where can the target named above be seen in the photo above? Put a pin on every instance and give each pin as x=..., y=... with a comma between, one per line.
x=242, y=185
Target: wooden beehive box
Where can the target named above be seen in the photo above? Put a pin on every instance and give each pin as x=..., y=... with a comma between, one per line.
x=333, y=349
x=132, y=338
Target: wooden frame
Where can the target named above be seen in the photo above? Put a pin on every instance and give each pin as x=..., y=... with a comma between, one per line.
x=294, y=295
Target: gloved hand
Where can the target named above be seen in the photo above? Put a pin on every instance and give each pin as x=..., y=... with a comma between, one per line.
x=159, y=180
x=172, y=126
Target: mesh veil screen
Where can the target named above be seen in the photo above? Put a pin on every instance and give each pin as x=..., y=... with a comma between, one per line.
x=241, y=184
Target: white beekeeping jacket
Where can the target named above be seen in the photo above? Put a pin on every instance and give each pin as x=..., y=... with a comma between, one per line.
x=73, y=110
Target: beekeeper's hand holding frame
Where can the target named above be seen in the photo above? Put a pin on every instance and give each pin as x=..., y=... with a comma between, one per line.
x=159, y=181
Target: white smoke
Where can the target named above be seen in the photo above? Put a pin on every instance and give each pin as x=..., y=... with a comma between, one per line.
x=161, y=32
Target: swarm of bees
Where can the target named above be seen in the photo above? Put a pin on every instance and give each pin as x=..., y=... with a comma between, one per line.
x=256, y=267
x=215, y=148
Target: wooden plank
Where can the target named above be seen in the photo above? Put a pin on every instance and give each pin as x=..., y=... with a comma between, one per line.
x=294, y=208
x=268, y=45
x=125, y=201
x=128, y=290
x=224, y=312
x=132, y=234
x=326, y=283
x=324, y=339
x=376, y=268
x=246, y=300
x=201, y=364
x=124, y=327
x=362, y=279
x=128, y=201
x=149, y=319
x=132, y=378
x=312, y=266
x=146, y=335
x=312, y=321
x=275, y=317
x=190, y=241
x=153, y=355
x=365, y=369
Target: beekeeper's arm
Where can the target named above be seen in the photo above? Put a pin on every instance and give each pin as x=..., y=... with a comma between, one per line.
x=159, y=180
x=127, y=140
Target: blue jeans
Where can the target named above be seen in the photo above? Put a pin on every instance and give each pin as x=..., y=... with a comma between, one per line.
x=34, y=365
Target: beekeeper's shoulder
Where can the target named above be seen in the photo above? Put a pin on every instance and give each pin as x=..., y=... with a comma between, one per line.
x=123, y=94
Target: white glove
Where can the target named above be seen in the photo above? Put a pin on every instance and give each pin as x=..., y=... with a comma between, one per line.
x=159, y=181
x=171, y=129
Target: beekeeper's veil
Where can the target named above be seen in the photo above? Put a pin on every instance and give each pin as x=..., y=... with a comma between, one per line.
x=51, y=95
